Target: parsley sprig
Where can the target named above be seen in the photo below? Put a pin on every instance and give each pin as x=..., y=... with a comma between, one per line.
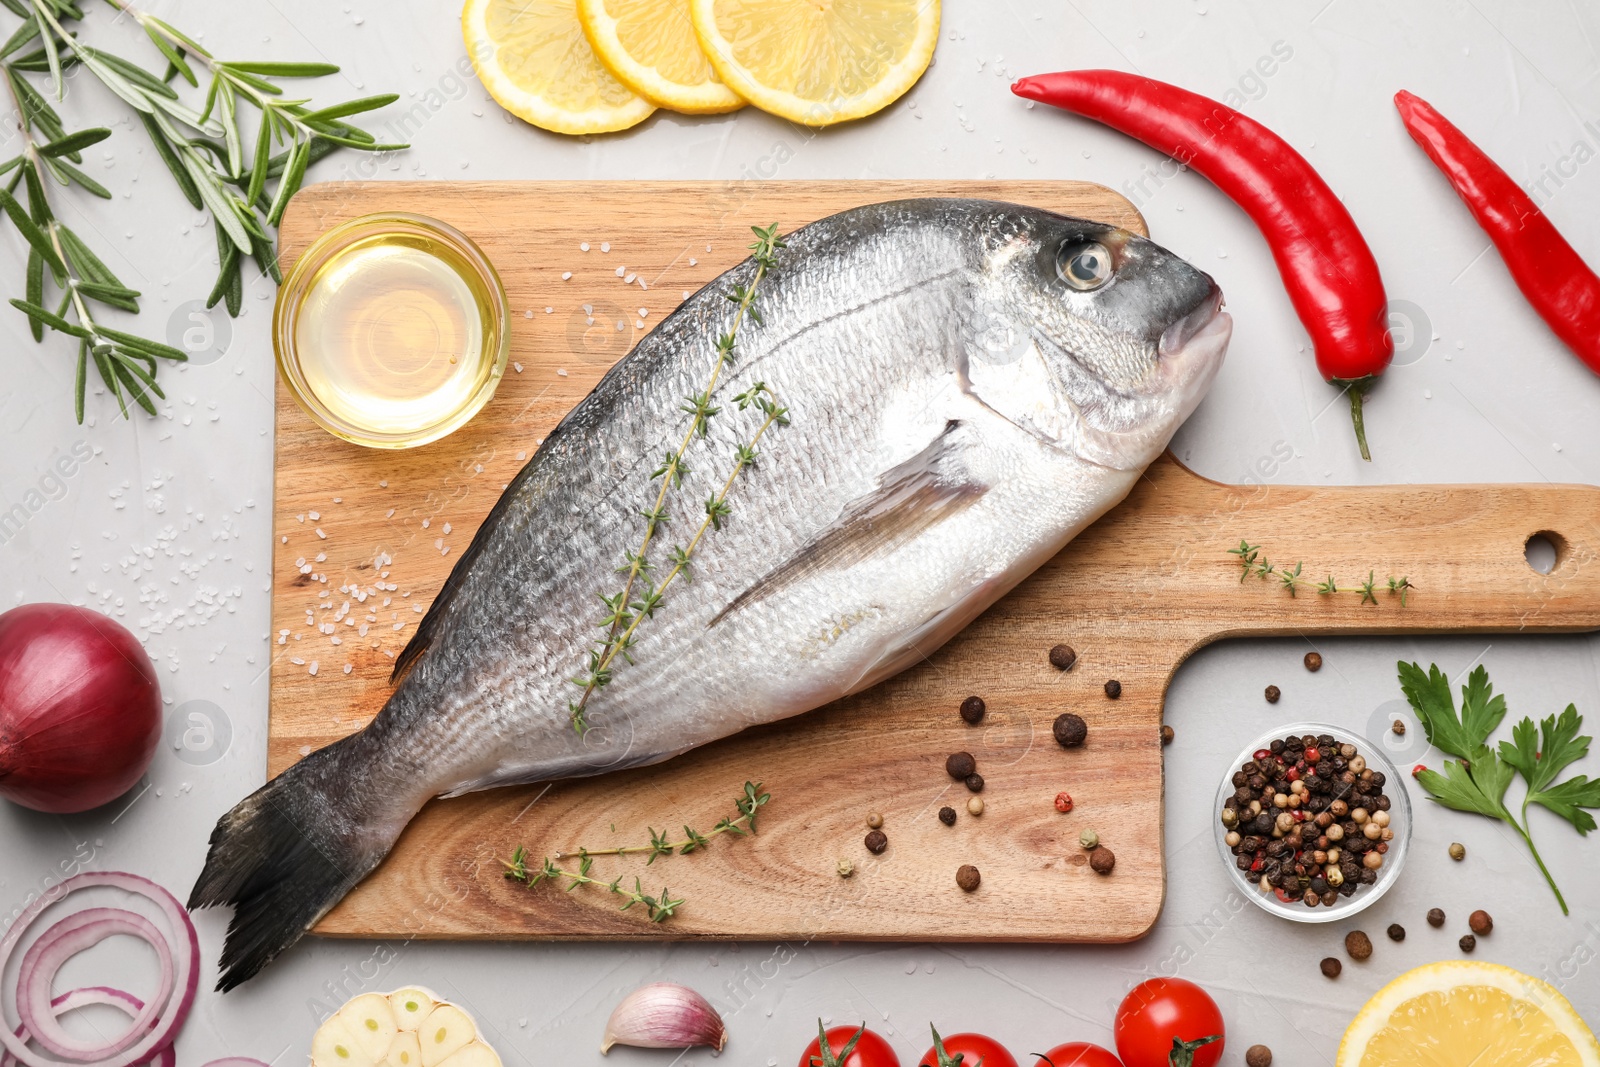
x=1477, y=781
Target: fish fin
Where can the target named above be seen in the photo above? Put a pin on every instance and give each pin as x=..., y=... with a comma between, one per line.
x=284, y=856
x=440, y=608
x=911, y=497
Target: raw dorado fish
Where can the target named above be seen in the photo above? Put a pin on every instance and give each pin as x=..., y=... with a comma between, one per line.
x=970, y=384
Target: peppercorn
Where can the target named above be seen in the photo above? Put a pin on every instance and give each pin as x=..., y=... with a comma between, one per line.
x=1069, y=730
x=1435, y=917
x=1064, y=803
x=947, y=815
x=1313, y=661
x=1397, y=932
x=1399, y=728
x=1258, y=1056
x=1273, y=693
x=1088, y=839
x=975, y=806
x=1358, y=945
x=1331, y=967
x=874, y=821
x=1102, y=860
x=974, y=782
x=1113, y=689
x=845, y=868
x=967, y=877
x=877, y=841
x=1458, y=851
x=960, y=764
x=972, y=710
x=1480, y=922
x=1467, y=942
x=1062, y=657
x=1167, y=734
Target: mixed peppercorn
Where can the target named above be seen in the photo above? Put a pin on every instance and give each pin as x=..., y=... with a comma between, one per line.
x=1308, y=819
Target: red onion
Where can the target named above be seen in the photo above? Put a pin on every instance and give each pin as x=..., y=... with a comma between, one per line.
x=80, y=708
x=82, y=998
x=178, y=950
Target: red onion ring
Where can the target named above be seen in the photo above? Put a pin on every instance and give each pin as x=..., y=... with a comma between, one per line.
x=180, y=975
x=72, y=935
x=82, y=998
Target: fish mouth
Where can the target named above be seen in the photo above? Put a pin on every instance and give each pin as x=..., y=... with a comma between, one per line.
x=1205, y=317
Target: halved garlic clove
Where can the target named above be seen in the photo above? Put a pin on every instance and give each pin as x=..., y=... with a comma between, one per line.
x=371, y=1022
x=663, y=1015
x=476, y=1054
x=411, y=1005
x=335, y=1046
x=446, y=1029
x=405, y=1052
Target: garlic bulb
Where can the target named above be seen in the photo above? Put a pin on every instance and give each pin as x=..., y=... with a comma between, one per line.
x=662, y=1015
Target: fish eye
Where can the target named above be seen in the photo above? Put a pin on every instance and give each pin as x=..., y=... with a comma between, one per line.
x=1085, y=266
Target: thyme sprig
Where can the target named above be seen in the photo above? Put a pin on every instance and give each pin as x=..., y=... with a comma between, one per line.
x=660, y=908
x=1253, y=563
x=205, y=151
x=663, y=906
x=640, y=597
x=744, y=823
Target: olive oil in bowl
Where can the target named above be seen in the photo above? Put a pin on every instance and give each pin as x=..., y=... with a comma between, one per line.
x=392, y=330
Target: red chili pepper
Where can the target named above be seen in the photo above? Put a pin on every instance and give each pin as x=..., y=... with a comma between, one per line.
x=1554, y=278
x=1329, y=271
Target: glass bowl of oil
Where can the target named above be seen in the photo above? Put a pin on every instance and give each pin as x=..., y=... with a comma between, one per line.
x=392, y=330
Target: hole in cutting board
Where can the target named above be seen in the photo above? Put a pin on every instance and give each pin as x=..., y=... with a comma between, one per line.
x=1545, y=551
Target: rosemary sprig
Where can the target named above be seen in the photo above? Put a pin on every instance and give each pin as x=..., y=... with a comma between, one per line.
x=1252, y=562
x=660, y=908
x=751, y=802
x=205, y=151
x=624, y=611
x=124, y=361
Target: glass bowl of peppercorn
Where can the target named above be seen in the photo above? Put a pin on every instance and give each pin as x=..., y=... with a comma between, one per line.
x=1313, y=822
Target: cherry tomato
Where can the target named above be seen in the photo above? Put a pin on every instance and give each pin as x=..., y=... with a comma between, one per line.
x=1164, y=1010
x=870, y=1051
x=967, y=1050
x=1078, y=1054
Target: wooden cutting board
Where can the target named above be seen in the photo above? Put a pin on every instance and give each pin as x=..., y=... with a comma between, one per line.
x=1135, y=595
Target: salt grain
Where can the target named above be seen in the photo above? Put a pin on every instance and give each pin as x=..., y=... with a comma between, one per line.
x=584, y=247
x=605, y=246
x=566, y=276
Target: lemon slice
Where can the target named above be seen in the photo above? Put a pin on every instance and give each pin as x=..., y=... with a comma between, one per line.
x=1462, y=1012
x=818, y=62
x=651, y=47
x=533, y=58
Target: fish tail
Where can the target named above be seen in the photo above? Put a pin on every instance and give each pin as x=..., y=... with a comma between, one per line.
x=287, y=854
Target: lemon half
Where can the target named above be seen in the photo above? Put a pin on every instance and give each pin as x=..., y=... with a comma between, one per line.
x=650, y=46
x=534, y=59
x=818, y=62
x=1463, y=1012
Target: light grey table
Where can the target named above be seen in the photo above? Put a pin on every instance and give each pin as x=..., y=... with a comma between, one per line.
x=168, y=527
